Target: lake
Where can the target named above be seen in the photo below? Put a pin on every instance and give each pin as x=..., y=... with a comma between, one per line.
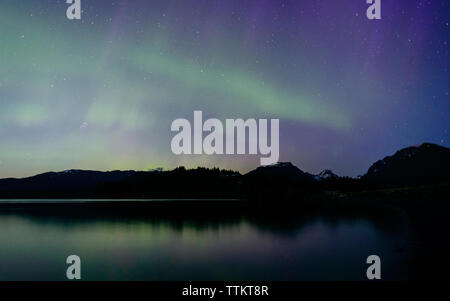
x=136, y=242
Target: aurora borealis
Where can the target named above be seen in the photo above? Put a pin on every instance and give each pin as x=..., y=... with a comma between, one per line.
x=101, y=92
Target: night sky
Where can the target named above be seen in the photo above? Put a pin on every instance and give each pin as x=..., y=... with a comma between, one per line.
x=101, y=93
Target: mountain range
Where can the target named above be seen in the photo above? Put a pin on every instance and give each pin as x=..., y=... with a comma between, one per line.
x=416, y=164
x=422, y=164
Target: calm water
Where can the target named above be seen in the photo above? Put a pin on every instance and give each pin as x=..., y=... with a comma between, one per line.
x=34, y=246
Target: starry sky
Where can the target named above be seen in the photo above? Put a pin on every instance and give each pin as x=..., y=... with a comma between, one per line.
x=101, y=92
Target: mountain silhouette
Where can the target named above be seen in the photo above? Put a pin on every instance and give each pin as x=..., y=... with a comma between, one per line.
x=428, y=163
x=70, y=182
x=412, y=165
x=326, y=174
x=177, y=183
x=278, y=183
x=284, y=170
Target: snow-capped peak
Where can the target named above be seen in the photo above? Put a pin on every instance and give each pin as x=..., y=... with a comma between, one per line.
x=325, y=174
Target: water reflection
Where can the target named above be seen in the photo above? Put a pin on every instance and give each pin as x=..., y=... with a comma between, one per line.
x=145, y=244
